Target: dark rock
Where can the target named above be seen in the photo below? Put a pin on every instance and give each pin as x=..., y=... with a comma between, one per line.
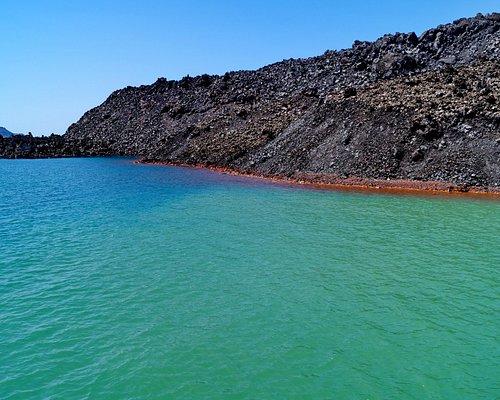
x=398, y=153
x=350, y=92
x=413, y=39
x=432, y=134
x=493, y=17
x=417, y=155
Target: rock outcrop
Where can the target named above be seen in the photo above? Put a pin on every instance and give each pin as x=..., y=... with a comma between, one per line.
x=402, y=107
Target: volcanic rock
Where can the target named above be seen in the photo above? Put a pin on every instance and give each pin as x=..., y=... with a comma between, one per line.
x=402, y=107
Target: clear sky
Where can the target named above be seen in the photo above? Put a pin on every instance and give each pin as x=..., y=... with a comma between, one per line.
x=59, y=58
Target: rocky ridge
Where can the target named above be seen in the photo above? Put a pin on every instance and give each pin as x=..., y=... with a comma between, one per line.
x=53, y=146
x=402, y=107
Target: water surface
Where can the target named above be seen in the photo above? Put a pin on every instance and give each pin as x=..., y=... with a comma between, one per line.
x=123, y=281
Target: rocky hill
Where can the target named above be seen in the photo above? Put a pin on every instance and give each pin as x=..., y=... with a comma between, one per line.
x=402, y=107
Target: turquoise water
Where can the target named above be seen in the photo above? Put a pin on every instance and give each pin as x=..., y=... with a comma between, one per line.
x=123, y=281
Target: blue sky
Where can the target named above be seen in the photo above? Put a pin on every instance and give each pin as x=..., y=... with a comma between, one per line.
x=61, y=58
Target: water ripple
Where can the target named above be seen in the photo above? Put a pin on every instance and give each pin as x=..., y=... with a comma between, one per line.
x=124, y=281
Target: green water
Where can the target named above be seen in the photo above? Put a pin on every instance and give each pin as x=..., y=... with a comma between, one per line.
x=121, y=281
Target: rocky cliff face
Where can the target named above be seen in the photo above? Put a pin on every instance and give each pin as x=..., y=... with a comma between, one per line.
x=408, y=107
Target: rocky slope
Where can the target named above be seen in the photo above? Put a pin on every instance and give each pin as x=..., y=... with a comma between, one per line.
x=402, y=107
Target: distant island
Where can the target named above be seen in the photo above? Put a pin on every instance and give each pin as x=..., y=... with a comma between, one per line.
x=405, y=108
x=5, y=132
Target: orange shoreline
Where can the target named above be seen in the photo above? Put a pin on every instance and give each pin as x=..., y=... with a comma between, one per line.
x=331, y=182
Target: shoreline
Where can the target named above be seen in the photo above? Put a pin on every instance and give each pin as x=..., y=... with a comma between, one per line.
x=352, y=184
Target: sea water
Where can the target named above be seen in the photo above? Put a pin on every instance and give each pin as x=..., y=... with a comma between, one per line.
x=126, y=281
